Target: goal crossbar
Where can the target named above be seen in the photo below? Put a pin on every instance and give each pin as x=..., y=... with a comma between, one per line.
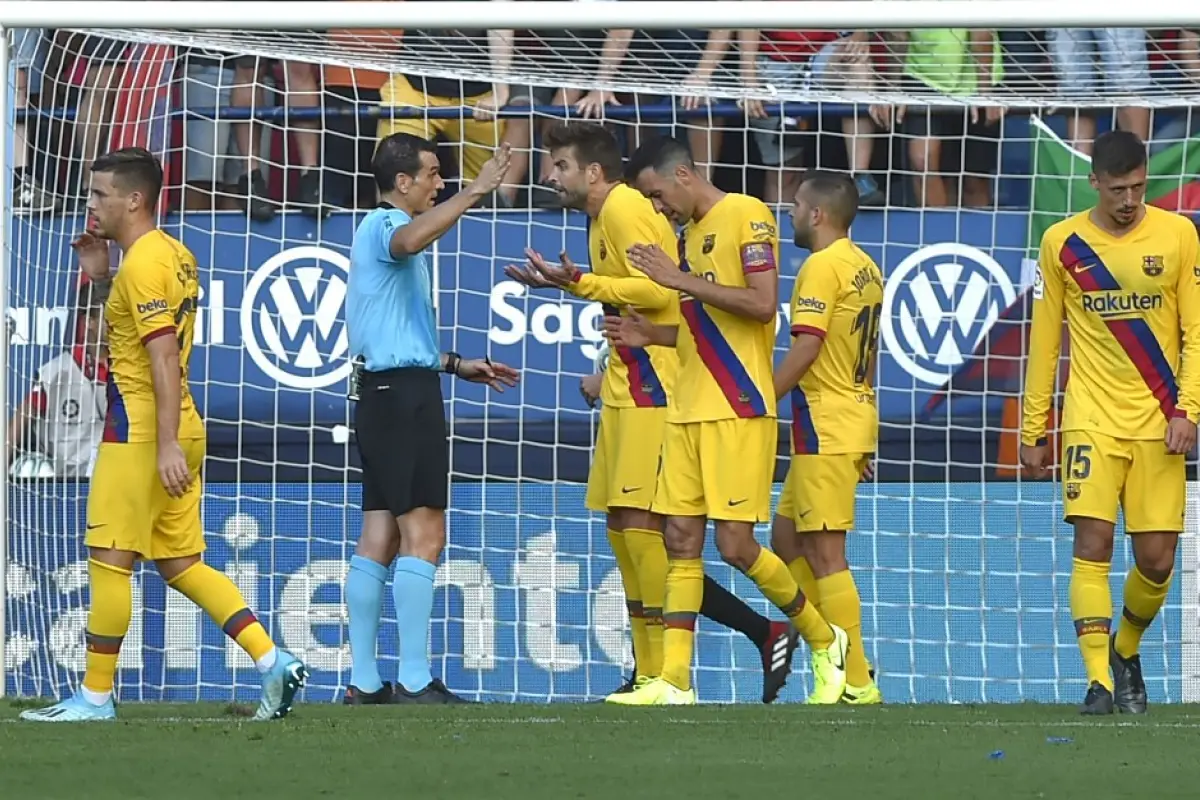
x=647, y=14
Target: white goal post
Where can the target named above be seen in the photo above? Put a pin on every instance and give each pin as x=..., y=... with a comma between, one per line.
x=962, y=564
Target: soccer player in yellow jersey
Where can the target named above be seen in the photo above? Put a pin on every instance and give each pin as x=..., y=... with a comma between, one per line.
x=145, y=493
x=1126, y=278
x=721, y=435
x=827, y=374
x=636, y=389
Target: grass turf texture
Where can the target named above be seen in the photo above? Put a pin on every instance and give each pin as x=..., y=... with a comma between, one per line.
x=591, y=751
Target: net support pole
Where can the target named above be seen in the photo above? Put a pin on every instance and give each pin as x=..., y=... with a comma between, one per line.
x=8, y=117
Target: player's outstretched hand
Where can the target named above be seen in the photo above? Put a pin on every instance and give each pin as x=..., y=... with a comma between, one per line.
x=589, y=387
x=491, y=174
x=1181, y=436
x=540, y=274
x=173, y=469
x=492, y=373
x=631, y=330
x=93, y=255
x=657, y=265
x=1033, y=459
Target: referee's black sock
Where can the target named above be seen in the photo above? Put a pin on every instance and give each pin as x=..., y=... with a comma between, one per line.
x=724, y=608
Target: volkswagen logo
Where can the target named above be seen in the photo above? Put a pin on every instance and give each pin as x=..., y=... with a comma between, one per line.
x=292, y=317
x=938, y=305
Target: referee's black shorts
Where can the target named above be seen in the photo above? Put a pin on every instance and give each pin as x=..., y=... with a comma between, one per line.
x=400, y=427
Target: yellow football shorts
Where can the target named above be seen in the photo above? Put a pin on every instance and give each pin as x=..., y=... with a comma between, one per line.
x=128, y=508
x=625, y=464
x=820, y=490
x=720, y=469
x=1100, y=473
x=476, y=138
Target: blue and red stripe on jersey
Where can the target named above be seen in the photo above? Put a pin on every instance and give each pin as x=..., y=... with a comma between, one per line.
x=1134, y=335
x=722, y=362
x=804, y=433
x=645, y=387
x=116, y=418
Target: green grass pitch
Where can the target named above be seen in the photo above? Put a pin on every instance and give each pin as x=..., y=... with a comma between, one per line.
x=560, y=752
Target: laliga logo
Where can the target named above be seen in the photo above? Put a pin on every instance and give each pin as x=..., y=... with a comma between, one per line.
x=938, y=304
x=291, y=317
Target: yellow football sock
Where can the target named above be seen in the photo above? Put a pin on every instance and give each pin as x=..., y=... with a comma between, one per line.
x=771, y=576
x=649, y=556
x=1091, y=608
x=841, y=606
x=681, y=606
x=107, y=623
x=633, y=600
x=803, y=575
x=1143, y=599
x=221, y=600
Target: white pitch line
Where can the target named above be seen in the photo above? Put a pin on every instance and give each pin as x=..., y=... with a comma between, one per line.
x=848, y=722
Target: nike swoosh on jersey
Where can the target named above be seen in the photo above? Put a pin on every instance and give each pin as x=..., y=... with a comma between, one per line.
x=737, y=502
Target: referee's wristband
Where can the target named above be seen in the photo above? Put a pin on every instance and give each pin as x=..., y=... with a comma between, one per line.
x=452, y=361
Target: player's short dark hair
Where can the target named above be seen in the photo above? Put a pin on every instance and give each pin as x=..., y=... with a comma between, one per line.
x=134, y=169
x=591, y=142
x=1118, y=153
x=399, y=154
x=834, y=192
x=661, y=155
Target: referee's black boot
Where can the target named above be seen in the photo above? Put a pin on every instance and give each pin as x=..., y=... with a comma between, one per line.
x=1099, y=701
x=357, y=697
x=434, y=694
x=1129, y=687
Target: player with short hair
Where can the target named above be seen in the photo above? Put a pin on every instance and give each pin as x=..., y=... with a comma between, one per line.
x=399, y=416
x=144, y=499
x=1125, y=277
x=719, y=446
x=636, y=390
x=827, y=373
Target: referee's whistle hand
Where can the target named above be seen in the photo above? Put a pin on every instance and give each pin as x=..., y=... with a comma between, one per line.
x=173, y=469
x=493, y=373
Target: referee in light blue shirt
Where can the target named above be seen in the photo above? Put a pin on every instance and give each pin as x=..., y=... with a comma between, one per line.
x=399, y=420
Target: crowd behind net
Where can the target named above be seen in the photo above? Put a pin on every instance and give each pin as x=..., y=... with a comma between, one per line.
x=965, y=146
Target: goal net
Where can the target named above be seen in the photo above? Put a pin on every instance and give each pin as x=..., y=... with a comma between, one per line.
x=965, y=144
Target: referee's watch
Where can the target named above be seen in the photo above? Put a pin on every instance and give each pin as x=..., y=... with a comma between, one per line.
x=453, y=359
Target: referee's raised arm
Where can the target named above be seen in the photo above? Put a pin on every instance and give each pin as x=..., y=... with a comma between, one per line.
x=399, y=421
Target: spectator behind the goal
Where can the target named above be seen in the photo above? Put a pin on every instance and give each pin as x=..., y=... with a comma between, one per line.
x=795, y=61
x=1093, y=61
x=556, y=52
x=61, y=420
x=27, y=62
x=299, y=82
x=92, y=67
x=212, y=168
x=689, y=58
x=349, y=139
x=953, y=62
x=472, y=126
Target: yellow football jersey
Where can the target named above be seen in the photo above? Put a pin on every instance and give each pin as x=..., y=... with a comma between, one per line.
x=1132, y=308
x=725, y=360
x=155, y=293
x=636, y=376
x=838, y=296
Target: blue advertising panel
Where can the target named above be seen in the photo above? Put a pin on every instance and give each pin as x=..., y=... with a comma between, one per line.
x=956, y=608
x=271, y=344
